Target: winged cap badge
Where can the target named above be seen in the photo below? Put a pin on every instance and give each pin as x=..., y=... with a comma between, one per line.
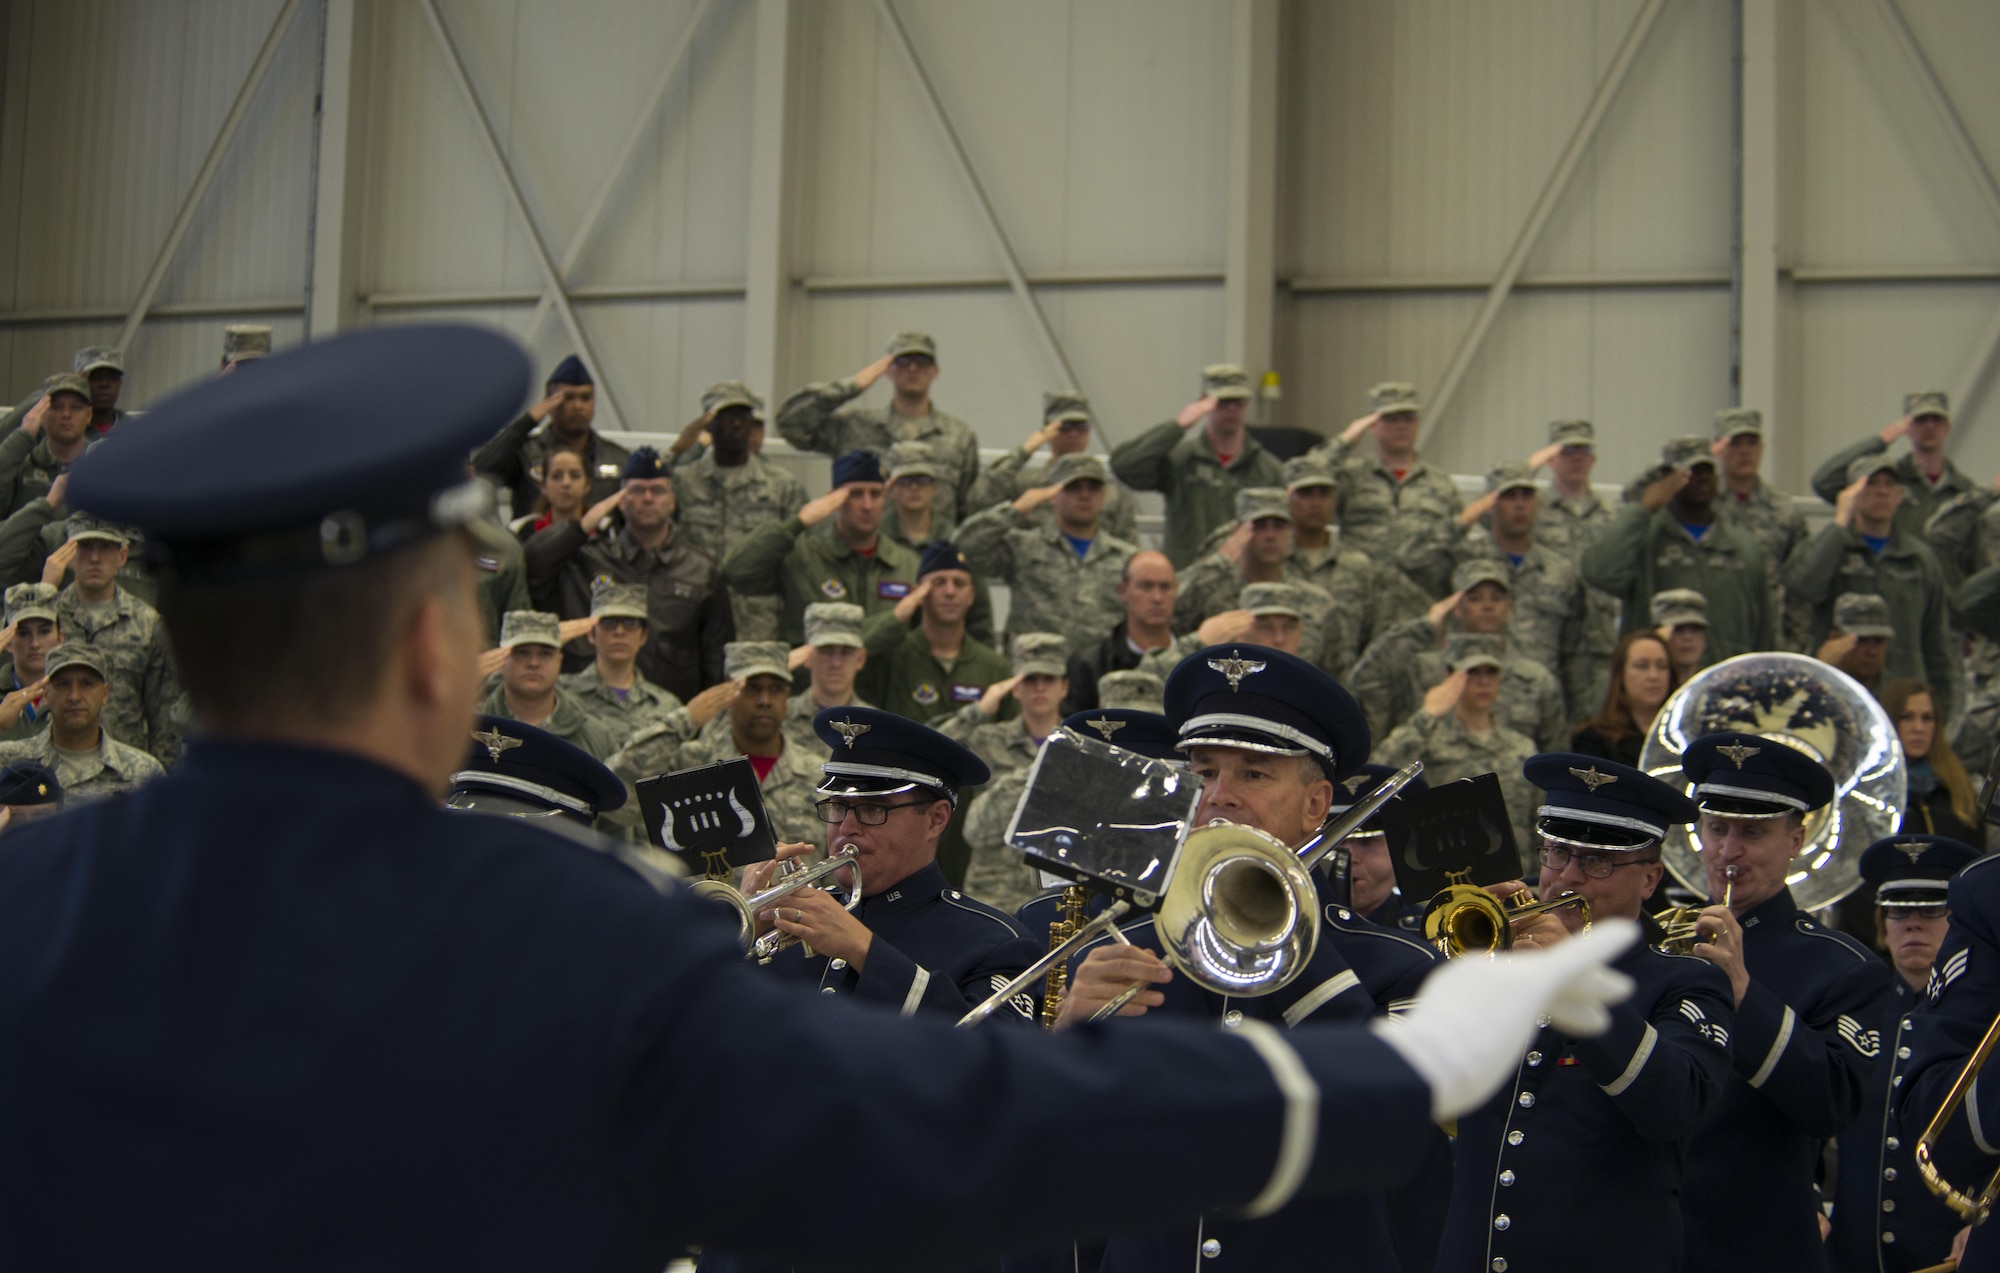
x=1106, y=726
x=849, y=731
x=1915, y=849
x=1234, y=669
x=495, y=742
x=1592, y=778
x=1356, y=783
x=1737, y=752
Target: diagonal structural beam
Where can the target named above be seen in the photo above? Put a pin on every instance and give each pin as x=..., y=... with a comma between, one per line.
x=669, y=72
x=1538, y=218
x=202, y=179
x=552, y=286
x=1017, y=279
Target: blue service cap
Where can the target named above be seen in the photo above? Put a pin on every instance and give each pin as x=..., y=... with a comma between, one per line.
x=1914, y=870
x=1599, y=804
x=857, y=466
x=643, y=465
x=1260, y=699
x=1750, y=776
x=1146, y=733
x=333, y=453
x=570, y=371
x=942, y=555
x=878, y=753
x=23, y=782
x=1351, y=790
x=531, y=766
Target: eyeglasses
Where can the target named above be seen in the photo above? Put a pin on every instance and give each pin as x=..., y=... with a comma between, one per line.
x=1936, y=911
x=833, y=812
x=1595, y=865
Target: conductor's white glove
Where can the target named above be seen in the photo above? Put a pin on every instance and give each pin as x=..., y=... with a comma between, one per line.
x=1475, y=1017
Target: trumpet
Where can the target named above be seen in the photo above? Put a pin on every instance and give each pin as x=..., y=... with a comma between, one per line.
x=1973, y=1208
x=763, y=948
x=1680, y=921
x=1466, y=919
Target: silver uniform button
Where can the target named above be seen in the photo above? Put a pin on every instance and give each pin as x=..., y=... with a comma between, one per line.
x=1231, y=1019
x=1506, y=1178
x=1502, y=1223
x=1897, y=1081
x=838, y=964
x=1345, y=915
x=1515, y=1138
x=826, y=990
x=1499, y=1264
x=1527, y=1100
x=1888, y=1204
x=1889, y=1239
x=1893, y=1143
x=1534, y=1059
x=1902, y=1054
x=1889, y=1173
x=1211, y=1248
x=952, y=894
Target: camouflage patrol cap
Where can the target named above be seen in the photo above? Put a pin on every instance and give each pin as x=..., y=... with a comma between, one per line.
x=66, y=382
x=1573, y=433
x=724, y=394
x=31, y=601
x=913, y=343
x=1680, y=607
x=1687, y=452
x=1255, y=503
x=610, y=600
x=1040, y=654
x=84, y=526
x=1066, y=405
x=1224, y=381
x=1467, y=650
x=834, y=623
x=1295, y=599
x=1078, y=468
x=1302, y=471
x=1470, y=574
x=1862, y=614
x=76, y=654
x=911, y=459
x=1736, y=422
x=1864, y=466
x=92, y=357
x=742, y=660
x=241, y=341
x=530, y=627
x=1511, y=476
x=1392, y=396
x=1131, y=688
x=1927, y=402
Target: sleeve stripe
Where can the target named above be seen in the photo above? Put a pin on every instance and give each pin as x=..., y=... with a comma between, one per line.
x=1972, y=1117
x=1299, y=1137
x=1642, y=1054
x=1316, y=998
x=916, y=995
x=1777, y=1050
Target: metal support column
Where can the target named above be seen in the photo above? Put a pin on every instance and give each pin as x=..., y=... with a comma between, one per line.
x=768, y=270
x=332, y=273
x=1757, y=249
x=1250, y=282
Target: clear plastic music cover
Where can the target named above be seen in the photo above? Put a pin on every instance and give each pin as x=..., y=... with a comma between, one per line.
x=1105, y=817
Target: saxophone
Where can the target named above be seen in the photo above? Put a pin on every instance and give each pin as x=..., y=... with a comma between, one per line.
x=1069, y=918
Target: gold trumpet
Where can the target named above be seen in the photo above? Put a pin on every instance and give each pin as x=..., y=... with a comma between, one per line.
x=763, y=948
x=1973, y=1208
x=1466, y=919
x=1680, y=922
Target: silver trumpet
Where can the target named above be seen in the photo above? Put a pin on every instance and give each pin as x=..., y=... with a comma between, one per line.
x=763, y=948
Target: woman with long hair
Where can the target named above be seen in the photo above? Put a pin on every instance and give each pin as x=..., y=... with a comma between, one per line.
x=565, y=488
x=1641, y=678
x=1941, y=797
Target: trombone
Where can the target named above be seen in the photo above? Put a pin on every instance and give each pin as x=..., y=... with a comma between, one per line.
x=1680, y=922
x=763, y=948
x=1974, y=1208
x=1466, y=919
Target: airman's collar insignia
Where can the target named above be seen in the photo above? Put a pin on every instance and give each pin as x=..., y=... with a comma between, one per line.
x=495, y=742
x=849, y=731
x=1106, y=726
x=1737, y=752
x=1234, y=669
x=1592, y=778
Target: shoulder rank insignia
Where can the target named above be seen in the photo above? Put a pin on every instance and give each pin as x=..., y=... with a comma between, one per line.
x=1593, y=779
x=495, y=742
x=1234, y=669
x=849, y=731
x=1106, y=726
x=1737, y=752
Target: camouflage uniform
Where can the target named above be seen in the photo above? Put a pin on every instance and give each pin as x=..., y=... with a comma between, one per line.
x=27, y=467
x=1182, y=465
x=1378, y=510
x=1132, y=688
x=1450, y=751
x=1920, y=498
x=1052, y=589
x=1977, y=735
x=145, y=704
x=800, y=566
x=1964, y=534
x=1770, y=515
x=919, y=459
x=814, y=419
x=1011, y=476
x=109, y=769
x=997, y=874
x=25, y=601
x=717, y=507
x=827, y=623
x=502, y=580
x=1566, y=527
x=567, y=720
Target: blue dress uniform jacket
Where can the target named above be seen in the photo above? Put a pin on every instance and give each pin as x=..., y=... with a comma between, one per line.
x=1578, y=1163
x=280, y=1009
x=1884, y=1219
x=935, y=951
x=1800, y=1056
x=1961, y=1001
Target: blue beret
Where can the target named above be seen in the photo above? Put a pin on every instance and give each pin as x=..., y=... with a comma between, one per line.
x=1351, y=789
x=1750, y=776
x=334, y=452
x=570, y=371
x=857, y=466
x=879, y=753
x=942, y=555
x=1147, y=733
x=1603, y=804
x=1260, y=699
x=23, y=782
x=523, y=763
x=1914, y=870
x=643, y=464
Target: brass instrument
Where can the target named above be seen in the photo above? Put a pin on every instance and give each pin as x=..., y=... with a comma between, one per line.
x=763, y=948
x=1974, y=1208
x=1466, y=919
x=1680, y=921
x=1069, y=919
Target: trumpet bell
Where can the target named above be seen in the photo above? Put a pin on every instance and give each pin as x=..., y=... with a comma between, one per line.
x=746, y=908
x=1240, y=915
x=1465, y=919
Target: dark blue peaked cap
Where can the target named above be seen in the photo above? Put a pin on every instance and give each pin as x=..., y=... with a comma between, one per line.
x=1914, y=870
x=1146, y=733
x=644, y=463
x=24, y=782
x=878, y=753
x=533, y=765
x=1606, y=804
x=857, y=466
x=570, y=371
x=942, y=555
x=1260, y=699
x=1749, y=776
x=332, y=453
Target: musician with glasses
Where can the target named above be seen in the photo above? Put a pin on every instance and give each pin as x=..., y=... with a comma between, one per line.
x=1617, y=1109
x=1884, y=1219
x=1807, y=997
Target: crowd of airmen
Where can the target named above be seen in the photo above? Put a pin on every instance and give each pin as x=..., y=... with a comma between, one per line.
x=1311, y=624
